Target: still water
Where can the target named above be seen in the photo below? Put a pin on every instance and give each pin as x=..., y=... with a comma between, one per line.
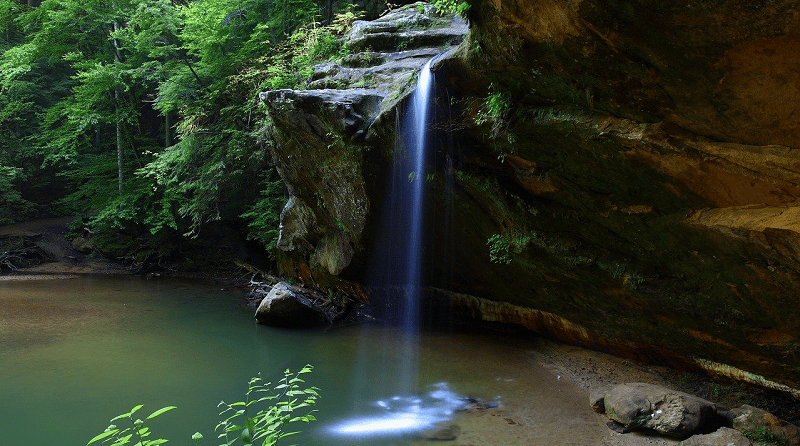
x=74, y=352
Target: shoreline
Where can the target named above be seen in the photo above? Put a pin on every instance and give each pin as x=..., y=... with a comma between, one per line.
x=580, y=369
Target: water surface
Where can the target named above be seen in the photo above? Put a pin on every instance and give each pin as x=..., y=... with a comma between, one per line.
x=75, y=352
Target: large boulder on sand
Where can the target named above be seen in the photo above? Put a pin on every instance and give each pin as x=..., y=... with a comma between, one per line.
x=285, y=308
x=648, y=406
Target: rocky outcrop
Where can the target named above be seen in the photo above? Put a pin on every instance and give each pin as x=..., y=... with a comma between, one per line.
x=620, y=175
x=656, y=409
x=323, y=136
x=284, y=305
x=655, y=142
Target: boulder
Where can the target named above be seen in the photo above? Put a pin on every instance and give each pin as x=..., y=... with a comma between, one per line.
x=648, y=406
x=82, y=245
x=758, y=423
x=724, y=436
x=283, y=307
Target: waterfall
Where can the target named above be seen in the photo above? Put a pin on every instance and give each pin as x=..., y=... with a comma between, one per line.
x=417, y=125
x=396, y=278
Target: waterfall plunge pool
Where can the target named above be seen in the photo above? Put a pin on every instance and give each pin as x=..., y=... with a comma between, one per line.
x=75, y=352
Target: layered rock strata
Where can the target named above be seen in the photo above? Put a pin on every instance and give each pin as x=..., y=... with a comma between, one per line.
x=625, y=169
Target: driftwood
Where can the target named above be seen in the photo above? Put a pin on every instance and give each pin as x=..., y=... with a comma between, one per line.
x=6, y=260
x=20, y=251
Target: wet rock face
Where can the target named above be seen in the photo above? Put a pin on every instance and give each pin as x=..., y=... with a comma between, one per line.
x=619, y=174
x=323, y=135
x=726, y=69
x=645, y=171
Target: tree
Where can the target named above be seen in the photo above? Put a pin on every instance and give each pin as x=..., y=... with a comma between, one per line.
x=149, y=109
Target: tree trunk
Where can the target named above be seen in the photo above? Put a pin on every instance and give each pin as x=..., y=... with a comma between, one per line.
x=167, y=131
x=117, y=59
x=119, y=146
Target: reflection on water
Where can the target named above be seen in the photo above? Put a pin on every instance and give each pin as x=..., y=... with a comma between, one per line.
x=403, y=414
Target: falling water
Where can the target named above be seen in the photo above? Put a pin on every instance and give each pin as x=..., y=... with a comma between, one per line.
x=396, y=279
x=396, y=272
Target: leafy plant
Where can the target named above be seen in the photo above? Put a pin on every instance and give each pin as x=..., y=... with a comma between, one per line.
x=499, y=249
x=501, y=245
x=252, y=422
x=459, y=7
x=137, y=431
x=264, y=215
x=264, y=415
x=494, y=111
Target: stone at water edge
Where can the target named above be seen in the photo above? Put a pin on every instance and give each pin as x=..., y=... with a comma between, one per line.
x=648, y=406
x=724, y=436
x=752, y=420
x=284, y=308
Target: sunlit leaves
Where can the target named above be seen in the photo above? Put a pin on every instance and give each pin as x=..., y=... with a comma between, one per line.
x=137, y=431
x=268, y=410
x=80, y=78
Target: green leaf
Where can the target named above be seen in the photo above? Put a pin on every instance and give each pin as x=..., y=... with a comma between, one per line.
x=160, y=411
x=104, y=435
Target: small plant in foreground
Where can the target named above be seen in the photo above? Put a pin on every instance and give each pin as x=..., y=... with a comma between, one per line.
x=264, y=415
x=268, y=422
x=137, y=431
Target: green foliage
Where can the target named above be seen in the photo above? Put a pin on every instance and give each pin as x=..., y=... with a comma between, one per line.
x=494, y=111
x=265, y=414
x=502, y=245
x=264, y=215
x=12, y=206
x=460, y=7
x=148, y=109
x=137, y=431
x=292, y=63
x=268, y=410
x=499, y=249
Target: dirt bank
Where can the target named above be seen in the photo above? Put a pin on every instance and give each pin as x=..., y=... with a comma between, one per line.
x=49, y=235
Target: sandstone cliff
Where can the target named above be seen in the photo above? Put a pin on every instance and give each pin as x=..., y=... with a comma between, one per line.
x=616, y=174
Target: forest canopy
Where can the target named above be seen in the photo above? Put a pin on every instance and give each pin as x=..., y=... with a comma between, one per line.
x=142, y=116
